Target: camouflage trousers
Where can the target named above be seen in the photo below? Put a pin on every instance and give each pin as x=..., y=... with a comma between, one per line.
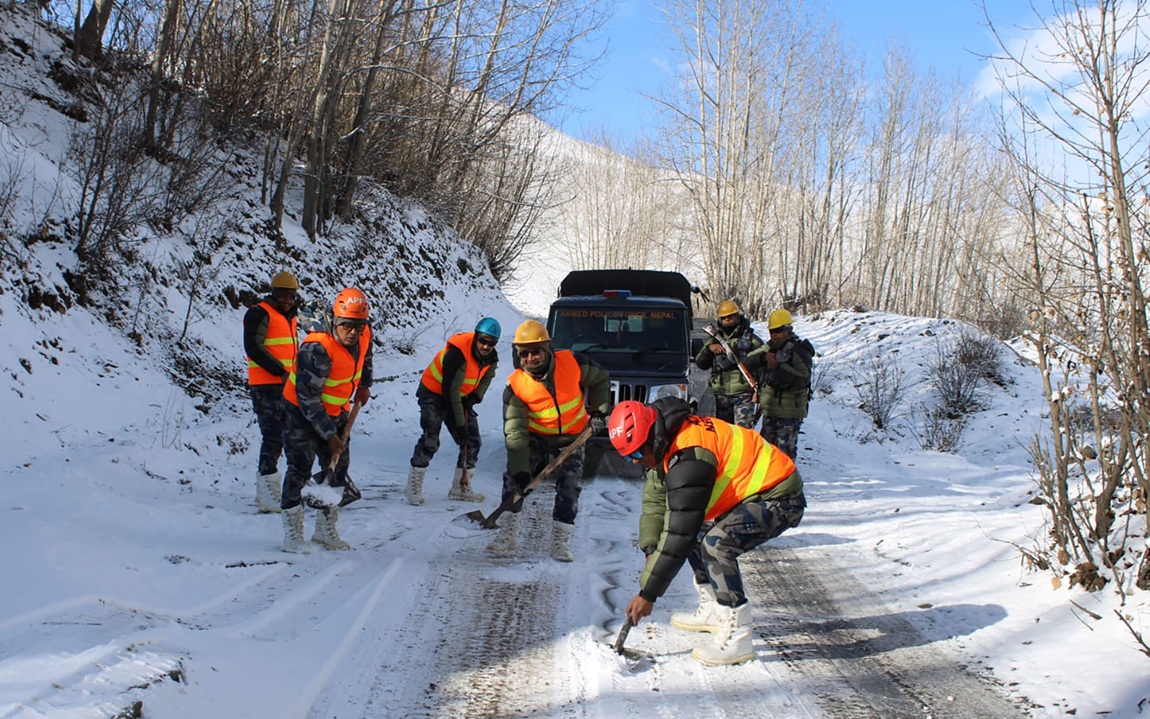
x=267, y=401
x=566, y=477
x=737, y=409
x=302, y=445
x=432, y=416
x=783, y=432
x=751, y=523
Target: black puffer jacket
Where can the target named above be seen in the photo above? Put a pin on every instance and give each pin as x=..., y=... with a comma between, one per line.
x=674, y=504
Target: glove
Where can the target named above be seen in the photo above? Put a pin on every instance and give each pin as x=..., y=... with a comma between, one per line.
x=598, y=423
x=468, y=402
x=362, y=395
x=335, y=445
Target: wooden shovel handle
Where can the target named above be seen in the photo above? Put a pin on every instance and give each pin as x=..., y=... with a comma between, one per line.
x=489, y=521
x=344, y=435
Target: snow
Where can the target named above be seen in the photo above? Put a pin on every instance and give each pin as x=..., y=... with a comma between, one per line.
x=142, y=582
x=141, y=572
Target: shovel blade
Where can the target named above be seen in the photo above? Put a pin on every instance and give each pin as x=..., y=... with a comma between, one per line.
x=351, y=493
x=476, y=516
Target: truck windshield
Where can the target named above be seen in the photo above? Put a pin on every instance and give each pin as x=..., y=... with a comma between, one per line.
x=631, y=334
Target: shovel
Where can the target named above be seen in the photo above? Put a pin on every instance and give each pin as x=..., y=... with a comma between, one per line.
x=488, y=522
x=636, y=658
x=623, y=632
x=350, y=491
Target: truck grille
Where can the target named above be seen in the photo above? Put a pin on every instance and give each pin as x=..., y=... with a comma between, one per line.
x=621, y=392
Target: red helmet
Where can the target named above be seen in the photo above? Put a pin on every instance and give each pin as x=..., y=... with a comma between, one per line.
x=350, y=304
x=630, y=425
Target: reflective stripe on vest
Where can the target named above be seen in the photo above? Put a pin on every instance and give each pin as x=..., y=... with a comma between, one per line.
x=281, y=342
x=433, y=375
x=564, y=413
x=346, y=370
x=747, y=464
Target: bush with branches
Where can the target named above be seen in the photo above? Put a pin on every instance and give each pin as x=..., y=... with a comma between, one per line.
x=881, y=389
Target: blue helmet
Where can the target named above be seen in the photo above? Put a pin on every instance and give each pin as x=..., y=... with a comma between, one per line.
x=488, y=326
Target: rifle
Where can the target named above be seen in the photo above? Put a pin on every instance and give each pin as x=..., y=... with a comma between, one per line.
x=730, y=352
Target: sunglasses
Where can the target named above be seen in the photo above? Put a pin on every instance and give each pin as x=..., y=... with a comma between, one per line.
x=530, y=351
x=635, y=456
x=486, y=341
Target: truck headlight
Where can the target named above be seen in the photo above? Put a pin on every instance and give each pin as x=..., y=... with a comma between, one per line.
x=667, y=390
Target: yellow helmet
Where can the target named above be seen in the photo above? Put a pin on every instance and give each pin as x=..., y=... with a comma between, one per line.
x=728, y=308
x=285, y=281
x=778, y=318
x=531, y=332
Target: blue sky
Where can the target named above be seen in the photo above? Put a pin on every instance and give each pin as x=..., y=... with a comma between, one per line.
x=945, y=35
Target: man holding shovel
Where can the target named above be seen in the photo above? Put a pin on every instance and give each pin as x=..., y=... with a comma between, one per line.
x=333, y=368
x=451, y=386
x=545, y=409
x=714, y=491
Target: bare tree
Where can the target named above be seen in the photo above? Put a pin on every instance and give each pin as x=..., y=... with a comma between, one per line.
x=1088, y=273
x=812, y=219
x=89, y=34
x=723, y=129
x=615, y=210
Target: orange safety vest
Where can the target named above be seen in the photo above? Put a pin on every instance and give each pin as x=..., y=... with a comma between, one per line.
x=346, y=370
x=747, y=464
x=433, y=375
x=564, y=413
x=281, y=342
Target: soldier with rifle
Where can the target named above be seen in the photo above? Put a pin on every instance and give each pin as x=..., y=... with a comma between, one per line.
x=729, y=357
x=787, y=361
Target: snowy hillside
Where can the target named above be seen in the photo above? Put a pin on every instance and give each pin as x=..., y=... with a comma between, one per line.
x=141, y=582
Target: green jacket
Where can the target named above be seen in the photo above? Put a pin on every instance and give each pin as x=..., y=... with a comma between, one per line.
x=784, y=392
x=596, y=385
x=726, y=378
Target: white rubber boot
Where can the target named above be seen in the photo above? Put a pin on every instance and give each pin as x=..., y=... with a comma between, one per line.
x=703, y=619
x=461, y=487
x=732, y=641
x=326, y=534
x=293, y=531
x=268, y=492
x=414, y=490
x=276, y=486
x=561, y=541
x=505, y=542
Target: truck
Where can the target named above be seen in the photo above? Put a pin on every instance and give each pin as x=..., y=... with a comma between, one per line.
x=638, y=324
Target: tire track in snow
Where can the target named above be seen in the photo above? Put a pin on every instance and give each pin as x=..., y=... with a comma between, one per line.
x=854, y=657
